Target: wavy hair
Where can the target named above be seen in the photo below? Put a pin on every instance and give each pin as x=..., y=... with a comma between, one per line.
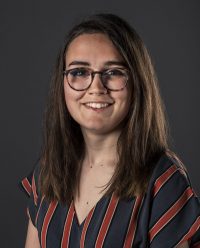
x=144, y=136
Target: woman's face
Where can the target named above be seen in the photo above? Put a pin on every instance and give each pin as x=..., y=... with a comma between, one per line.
x=97, y=52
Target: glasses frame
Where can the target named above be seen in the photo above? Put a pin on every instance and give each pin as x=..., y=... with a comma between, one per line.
x=92, y=74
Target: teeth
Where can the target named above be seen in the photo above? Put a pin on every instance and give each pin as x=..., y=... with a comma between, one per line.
x=96, y=105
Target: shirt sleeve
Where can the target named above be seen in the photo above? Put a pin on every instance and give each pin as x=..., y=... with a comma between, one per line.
x=29, y=185
x=175, y=209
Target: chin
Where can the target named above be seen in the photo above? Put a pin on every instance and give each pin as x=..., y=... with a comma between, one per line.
x=100, y=129
x=94, y=129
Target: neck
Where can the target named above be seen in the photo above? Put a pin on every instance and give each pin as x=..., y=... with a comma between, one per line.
x=101, y=148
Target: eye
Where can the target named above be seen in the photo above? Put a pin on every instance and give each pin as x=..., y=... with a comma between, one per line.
x=114, y=72
x=79, y=72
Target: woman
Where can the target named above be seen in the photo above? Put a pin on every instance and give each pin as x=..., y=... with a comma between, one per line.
x=106, y=176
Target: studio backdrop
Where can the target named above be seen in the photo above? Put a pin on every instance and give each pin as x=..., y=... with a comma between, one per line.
x=31, y=32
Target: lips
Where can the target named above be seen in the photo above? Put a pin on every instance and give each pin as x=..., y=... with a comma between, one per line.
x=97, y=105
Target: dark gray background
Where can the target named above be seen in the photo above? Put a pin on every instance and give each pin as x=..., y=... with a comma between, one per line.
x=31, y=33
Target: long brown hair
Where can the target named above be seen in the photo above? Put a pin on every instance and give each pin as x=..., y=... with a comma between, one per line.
x=144, y=136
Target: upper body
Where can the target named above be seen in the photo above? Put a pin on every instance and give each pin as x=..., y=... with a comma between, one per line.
x=105, y=179
x=166, y=216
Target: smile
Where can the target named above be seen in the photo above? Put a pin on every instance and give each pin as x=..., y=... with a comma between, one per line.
x=97, y=105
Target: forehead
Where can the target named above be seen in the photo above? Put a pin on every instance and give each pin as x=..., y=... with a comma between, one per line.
x=92, y=48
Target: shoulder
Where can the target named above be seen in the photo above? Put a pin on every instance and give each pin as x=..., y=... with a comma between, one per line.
x=30, y=183
x=168, y=169
x=174, y=205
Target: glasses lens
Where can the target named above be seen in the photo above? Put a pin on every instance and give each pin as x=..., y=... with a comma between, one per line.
x=115, y=79
x=79, y=78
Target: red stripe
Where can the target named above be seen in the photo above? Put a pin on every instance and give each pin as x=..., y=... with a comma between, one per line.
x=163, y=179
x=192, y=231
x=107, y=220
x=26, y=185
x=85, y=227
x=170, y=213
x=35, y=196
x=36, y=218
x=67, y=227
x=133, y=223
x=47, y=219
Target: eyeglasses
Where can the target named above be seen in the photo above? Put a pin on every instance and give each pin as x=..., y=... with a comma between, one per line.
x=114, y=79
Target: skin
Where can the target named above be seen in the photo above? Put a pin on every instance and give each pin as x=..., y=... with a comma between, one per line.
x=32, y=240
x=96, y=50
x=100, y=129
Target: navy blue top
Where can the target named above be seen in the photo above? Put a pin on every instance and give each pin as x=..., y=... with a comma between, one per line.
x=167, y=215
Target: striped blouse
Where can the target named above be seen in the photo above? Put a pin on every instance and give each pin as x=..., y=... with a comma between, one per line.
x=167, y=215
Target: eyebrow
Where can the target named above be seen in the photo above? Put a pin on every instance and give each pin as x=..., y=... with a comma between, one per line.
x=108, y=63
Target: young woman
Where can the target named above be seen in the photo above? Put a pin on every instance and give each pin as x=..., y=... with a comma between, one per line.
x=106, y=176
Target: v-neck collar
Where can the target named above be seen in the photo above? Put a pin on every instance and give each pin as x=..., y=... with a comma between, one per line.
x=80, y=225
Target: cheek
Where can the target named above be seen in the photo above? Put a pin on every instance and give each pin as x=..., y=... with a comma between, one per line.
x=71, y=97
x=68, y=98
x=124, y=101
x=126, y=97
x=122, y=98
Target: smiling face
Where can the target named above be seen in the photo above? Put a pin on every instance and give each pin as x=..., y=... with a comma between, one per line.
x=95, y=109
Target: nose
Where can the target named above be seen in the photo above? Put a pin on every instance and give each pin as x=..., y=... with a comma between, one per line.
x=97, y=86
